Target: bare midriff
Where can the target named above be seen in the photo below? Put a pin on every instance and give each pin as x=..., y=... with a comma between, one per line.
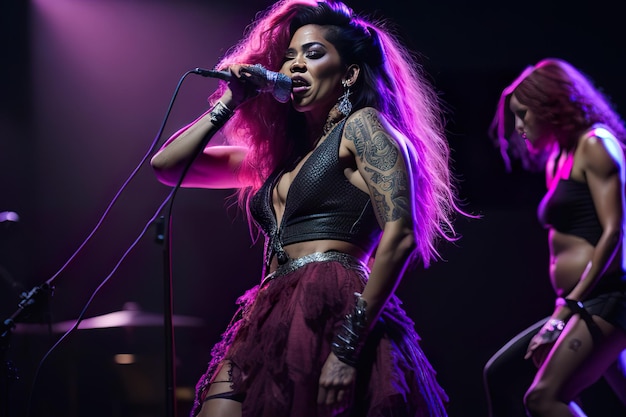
x=569, y=256
x=298, y=250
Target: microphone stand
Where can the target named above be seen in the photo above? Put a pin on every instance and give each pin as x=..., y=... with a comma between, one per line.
x=29, y=301
x=32, y=298
x=165, y=236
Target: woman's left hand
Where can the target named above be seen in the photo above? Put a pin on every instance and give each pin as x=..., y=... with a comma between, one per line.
x=336, y=382
x=541, y=343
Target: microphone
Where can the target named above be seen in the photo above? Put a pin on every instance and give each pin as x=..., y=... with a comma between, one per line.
x=265, y=80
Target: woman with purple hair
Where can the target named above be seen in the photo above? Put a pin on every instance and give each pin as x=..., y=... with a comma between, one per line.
x=552, y=117
x=349, y=183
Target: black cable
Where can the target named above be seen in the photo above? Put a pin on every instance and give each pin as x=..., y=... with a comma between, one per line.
x=168, y=308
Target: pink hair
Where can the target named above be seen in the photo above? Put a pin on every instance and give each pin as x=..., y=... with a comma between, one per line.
x=413, y=108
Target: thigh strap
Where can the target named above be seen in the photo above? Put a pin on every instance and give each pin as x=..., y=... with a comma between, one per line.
x=577, y=308
x=230, y=395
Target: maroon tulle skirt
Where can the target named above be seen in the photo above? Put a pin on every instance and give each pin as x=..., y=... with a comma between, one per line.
x=280, y=338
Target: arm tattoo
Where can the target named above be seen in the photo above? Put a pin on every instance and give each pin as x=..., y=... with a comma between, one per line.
x=380, y=205
x=394, y=185
x=380, y=153
x=355, y=132
x=361, y=129
x=381, y=161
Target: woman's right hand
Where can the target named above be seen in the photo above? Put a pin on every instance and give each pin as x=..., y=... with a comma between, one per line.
x=239, y=88
x=336, y=383
x=215, y=167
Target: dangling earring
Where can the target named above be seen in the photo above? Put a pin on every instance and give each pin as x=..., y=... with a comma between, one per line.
x=345, y=105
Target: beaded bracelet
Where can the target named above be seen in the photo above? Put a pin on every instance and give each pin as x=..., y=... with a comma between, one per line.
x=554, y=325
x=348, y=342
x=220, y=114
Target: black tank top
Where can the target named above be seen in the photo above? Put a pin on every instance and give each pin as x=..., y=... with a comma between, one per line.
x=569, y=208
x=321, y=204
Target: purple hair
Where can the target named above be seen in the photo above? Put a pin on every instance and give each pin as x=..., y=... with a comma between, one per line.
x=390, y=80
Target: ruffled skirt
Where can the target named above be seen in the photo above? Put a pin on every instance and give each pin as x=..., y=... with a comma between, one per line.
x=280, y=338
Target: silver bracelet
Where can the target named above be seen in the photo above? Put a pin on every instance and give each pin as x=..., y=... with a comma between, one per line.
x=349, y=341
x=220, y=114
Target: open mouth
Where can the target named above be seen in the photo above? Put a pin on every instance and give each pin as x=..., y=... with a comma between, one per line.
x=299, y=85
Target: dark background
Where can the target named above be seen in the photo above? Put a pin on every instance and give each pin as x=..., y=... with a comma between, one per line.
x=85, y=86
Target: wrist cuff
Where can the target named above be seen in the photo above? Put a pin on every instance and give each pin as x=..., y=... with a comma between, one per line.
x=348, y=342
x=220, y=114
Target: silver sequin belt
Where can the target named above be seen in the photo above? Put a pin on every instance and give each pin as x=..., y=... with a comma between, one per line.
x=348, y=261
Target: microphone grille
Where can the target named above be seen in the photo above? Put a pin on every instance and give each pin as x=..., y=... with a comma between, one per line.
x=282, y=88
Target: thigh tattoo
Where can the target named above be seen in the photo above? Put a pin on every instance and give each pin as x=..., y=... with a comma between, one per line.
x=575, y=344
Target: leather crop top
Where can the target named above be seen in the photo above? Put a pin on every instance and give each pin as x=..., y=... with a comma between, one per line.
x=321, y=204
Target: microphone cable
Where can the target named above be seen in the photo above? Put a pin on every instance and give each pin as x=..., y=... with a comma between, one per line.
x=48, y=283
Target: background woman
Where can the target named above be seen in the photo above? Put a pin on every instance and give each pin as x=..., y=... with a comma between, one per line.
x=553, y=117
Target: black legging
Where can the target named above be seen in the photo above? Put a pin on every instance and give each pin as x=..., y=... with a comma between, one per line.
x=507, y=375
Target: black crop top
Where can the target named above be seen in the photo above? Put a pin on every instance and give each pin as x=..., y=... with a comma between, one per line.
x=569, y=208
x=321, y=204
